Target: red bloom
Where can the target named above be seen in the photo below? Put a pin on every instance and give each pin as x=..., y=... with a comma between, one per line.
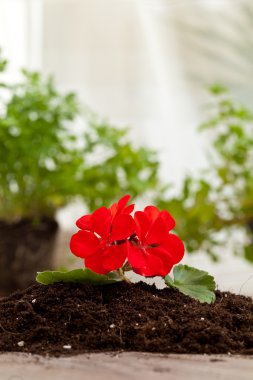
x=102, y=239
x=110, y=235
x=154, y=250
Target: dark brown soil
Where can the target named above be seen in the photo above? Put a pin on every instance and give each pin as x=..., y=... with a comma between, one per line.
x=66, y=319
x=26, y=247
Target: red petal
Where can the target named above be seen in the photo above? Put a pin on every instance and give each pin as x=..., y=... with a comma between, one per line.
x=165, y=258
x=157, y=233
x=84, y=223
x=136, y=256
x=129, y=209
x=123, y=201
x=167, y=218
x=113, y=209
x=123, y=226
x=152, y=212
x=94, y=263
x=142, y=224
x=153, y=267
x=149, y=262
x=114, y=257
x=84, y=244
x=101, y=222
x=119, y=207
x=174, y=247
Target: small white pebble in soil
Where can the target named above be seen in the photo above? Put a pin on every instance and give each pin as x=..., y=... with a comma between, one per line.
x=112, y=326
x=67, y=346
x=34, y=300
x=185, y=305
x=137, y=324
x=225, y=295
x=202, y=319
x=139, y=315
x=153, y=328
x=21, y=343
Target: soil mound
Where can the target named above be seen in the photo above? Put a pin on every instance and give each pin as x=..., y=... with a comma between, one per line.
x=67, y=319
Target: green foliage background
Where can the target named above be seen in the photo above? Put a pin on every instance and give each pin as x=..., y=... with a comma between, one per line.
x=44, y=165
x=213, y=207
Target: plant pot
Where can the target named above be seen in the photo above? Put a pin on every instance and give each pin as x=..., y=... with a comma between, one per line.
x=26, y=247
x=250, y=225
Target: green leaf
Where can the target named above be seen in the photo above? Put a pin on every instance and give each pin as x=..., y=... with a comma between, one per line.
x=77, y=275
x=193, y=282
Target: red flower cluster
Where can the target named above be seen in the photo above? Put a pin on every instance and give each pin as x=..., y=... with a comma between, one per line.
x=110, y=236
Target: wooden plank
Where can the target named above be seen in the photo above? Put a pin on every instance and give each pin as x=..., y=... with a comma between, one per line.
x=122, y=366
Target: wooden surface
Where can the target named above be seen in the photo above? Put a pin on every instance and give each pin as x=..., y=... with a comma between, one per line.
x=121, y=366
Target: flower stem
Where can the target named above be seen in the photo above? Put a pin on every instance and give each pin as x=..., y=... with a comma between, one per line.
x=122, y=275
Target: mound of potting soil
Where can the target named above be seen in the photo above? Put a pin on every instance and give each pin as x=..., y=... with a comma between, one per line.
x=64, y=319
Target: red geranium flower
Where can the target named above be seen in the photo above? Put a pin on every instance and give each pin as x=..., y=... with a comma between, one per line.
x=102, y=239
x=154, y=251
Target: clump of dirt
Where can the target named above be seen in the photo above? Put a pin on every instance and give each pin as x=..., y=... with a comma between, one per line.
x=64, y=319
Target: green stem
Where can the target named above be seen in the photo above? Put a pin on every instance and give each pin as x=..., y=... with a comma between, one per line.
x=122, y=275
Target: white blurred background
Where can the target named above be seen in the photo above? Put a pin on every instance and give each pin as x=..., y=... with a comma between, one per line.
x=131, y=61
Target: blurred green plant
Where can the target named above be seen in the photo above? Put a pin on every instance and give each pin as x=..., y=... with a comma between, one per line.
x=45, y=163
x=211, y=209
